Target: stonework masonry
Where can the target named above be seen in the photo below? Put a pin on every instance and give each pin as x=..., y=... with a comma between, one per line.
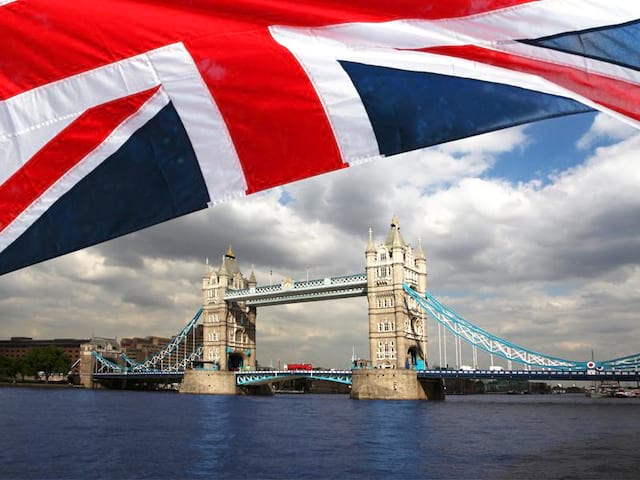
x=229, y=328
x=379, y=384
x=209, y=381
x=397, y=328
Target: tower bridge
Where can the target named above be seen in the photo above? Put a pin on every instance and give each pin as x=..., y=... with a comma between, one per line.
x=222, y=358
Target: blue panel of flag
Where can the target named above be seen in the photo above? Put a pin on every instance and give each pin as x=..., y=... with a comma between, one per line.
x=410, y=110
x=609, y=44
x=152, y=177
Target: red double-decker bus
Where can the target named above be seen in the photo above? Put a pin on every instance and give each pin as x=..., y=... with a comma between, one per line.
x=298, y=366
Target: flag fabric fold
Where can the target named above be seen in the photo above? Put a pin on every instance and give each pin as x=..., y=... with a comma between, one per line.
x=118, y=115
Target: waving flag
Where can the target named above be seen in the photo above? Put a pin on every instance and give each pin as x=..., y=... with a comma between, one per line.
x=116, y=115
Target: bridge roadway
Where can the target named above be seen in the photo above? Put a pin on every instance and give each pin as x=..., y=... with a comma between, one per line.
x=344, y=376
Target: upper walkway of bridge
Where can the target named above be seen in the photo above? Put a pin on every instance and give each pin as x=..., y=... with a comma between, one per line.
x=289, y=291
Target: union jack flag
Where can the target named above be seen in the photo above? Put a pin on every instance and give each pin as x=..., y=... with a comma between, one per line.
x=116, y=115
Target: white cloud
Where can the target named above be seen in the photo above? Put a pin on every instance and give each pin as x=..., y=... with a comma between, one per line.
x=501, y=141
x=605, y=127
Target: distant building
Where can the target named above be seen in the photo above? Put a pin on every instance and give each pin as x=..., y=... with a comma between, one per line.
x=18, y=347
x=141, y=349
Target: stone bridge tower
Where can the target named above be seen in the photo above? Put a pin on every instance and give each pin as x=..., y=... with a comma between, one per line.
x=397, y=330
x=229, y=328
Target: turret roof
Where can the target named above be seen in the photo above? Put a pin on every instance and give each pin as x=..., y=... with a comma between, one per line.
x=370, y=246
x=394, y=238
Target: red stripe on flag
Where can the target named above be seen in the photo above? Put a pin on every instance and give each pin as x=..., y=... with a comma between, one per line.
x=63, y=152
x=42, y=41
x=279, y=138
x=618, y=95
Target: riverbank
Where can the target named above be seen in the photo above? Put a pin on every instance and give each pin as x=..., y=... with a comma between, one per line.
x=38, y=385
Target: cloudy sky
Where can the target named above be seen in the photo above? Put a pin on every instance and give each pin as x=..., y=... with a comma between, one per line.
x=533, y=233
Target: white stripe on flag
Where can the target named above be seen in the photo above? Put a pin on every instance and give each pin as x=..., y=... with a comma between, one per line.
x=202, y=120
x=83, y=168
x=48, y=109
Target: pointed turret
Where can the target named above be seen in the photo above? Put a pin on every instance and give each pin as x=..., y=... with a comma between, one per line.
x=371, y=248
x=397, y=239
x=252, y=282
x=223, y=268
x=230, y=253
x=420, y=252
x=207, y=267
x=391, y=240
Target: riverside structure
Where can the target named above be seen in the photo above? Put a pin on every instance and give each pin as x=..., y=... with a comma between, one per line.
x=216, y=351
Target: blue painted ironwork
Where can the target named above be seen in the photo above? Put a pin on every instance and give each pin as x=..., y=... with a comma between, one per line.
x=129, y=362
x=261, y=377
x=157, y=360
x=503, y=348
x=104, y=365
x=162, y=363
x=301, y=291
x=533, y=375
x=344, y=376
x=486, y=341
x=631, y=362
x=168, y=376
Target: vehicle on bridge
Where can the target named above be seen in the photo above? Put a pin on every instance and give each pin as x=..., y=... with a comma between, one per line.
x=298, y=366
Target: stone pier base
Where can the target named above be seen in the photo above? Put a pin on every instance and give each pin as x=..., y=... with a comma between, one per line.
x=387, y=384
x=210, y=382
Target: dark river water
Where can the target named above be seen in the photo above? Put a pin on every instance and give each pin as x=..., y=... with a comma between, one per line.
x=83, y=434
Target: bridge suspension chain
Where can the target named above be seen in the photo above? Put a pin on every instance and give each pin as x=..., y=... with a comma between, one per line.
x=104, y=365
x=495, y=345
x=168, y=359
x=171, y=347
x=631, y=362
x=484, y=340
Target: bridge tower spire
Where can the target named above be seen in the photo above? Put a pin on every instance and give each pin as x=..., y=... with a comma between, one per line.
x=229, y=328
x=397, y=332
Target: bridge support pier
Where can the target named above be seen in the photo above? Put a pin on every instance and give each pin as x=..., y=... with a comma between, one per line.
x=211, y=382
x=391, y=384
x=257, y=390
x=433, y=387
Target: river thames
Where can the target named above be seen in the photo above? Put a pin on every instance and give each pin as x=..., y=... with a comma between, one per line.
x=79, y=434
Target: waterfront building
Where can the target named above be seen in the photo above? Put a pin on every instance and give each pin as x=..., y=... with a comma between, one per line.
x=141, y=349
x=18, y=347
